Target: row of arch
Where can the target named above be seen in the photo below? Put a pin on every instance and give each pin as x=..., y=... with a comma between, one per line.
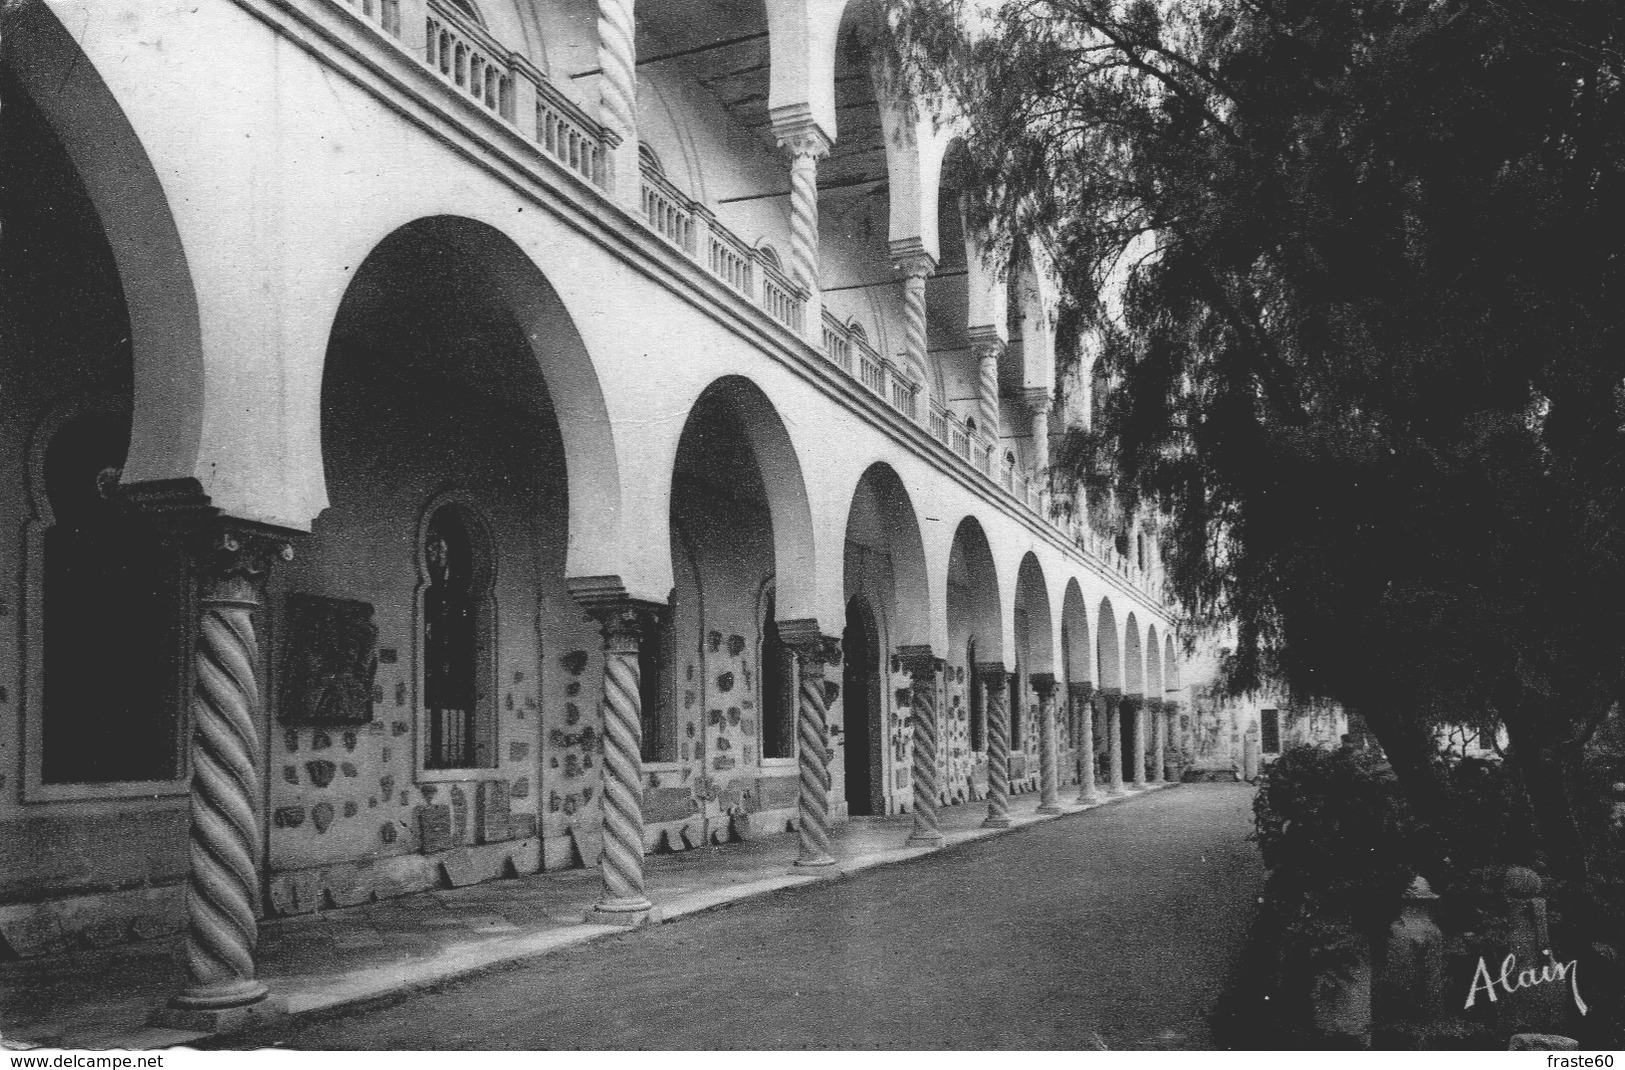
x=181, y=429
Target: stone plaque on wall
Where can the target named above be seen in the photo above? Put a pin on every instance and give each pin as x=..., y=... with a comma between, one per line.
x=495, y=814
x=330, y=662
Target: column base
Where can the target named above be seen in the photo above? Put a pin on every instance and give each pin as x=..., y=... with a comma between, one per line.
x=626, y=913
x=1139, y=785
x=1088, y=798
x=996, y=823
x=924, y=839
x=186, y=1014
x=1050, y=808
x=819, y=862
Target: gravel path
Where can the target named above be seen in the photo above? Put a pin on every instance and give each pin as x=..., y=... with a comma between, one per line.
x=1119, y=925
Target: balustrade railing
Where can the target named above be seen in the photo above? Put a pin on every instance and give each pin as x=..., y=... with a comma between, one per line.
x=566, y=133
x=871, y=372
x=667, y=211
x=468, y=58
x=385, y=14
x=837, y=343
x=730, y=260
x=902, y=396
x=782, y=298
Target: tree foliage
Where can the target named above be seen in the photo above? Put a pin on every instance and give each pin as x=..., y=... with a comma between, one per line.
x=1353, y=273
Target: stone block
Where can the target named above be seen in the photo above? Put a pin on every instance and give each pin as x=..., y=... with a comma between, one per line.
x=522, y=826
x=30, y=929
x=348, y=884
x=588, y=843
x=493, y=812
x=667, y=804
x=307, y=892
x=457, y=867
x=434, y=828
x=773, y=793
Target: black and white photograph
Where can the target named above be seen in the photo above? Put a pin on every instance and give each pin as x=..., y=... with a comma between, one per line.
x=873, y=526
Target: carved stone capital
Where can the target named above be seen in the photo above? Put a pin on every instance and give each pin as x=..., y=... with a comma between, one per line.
x=993, y=673
x=233, y=557
x=918, y=661
x=1080, y=691
x=1039, y=400
x=986, y=340
x=1043, y=685
x=1131, y=704
x=627, y=624
x=908, y=256
x=236, y=561
x=810, y=644
x=798, y=133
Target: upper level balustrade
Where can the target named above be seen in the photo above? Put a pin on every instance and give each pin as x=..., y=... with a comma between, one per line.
x=509, y=88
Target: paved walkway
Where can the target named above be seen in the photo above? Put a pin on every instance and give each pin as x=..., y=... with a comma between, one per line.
x=341, y=958
x=1115, y=928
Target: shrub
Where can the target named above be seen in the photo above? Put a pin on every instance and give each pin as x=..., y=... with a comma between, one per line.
x=1333, y=827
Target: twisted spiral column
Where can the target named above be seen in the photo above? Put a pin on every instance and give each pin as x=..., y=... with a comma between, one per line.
x=1134, y=706
x=916, y=266
x=1159, y=740
x=922, y=670
x=987, y=357
x=998, y=748
x=805, y=144
x=1049, y=760
x=1177, y=735
x=622, y=900
x=1085, y=743
x=1039, y=403
x=618, y=96
x=1114, y=743
x=222, y=931
x=813, y=652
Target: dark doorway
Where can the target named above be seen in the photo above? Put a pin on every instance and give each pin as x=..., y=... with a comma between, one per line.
x=778, y=690
x=860, y=692
x=1018, y=738
x=1126, y=716
x=978, y=715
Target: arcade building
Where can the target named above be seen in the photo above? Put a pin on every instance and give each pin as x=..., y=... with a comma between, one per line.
x=496, y=436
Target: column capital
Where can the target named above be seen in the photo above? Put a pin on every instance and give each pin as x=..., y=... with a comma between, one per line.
x=908, y=255
x=233, y=556
x=918, y=661
x=986, y=341
x=1038, y=399
x=1043, y=684
x=623, y=620
x=993, y=673
x=1080, y=690
x=798, y=133
x=809, y=643
x=1132, y=703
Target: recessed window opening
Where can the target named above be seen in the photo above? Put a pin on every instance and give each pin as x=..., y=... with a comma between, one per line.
x=456, y=640
x=111, y=587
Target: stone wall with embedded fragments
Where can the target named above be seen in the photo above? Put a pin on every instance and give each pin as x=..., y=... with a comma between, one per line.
x=716, y=785
x=354, y=813
x=88, y=867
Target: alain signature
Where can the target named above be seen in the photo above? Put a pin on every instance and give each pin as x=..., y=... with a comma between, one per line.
x=1529, y=977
